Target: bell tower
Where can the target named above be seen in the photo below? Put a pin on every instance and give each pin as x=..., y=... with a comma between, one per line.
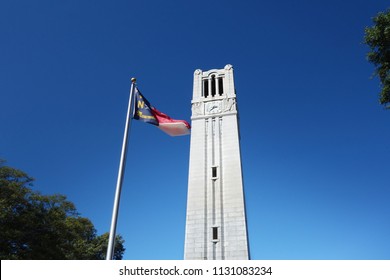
x=216, y=221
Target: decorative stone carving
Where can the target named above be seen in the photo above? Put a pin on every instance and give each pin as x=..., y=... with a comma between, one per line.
x=228, y=67
x=198, y=72
x=197, y=109
x=229, y=104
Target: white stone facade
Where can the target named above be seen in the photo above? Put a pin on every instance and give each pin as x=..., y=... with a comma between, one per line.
x=216, y=221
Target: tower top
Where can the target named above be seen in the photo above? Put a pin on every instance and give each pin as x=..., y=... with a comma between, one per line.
x=213, y=84
x=207, y=73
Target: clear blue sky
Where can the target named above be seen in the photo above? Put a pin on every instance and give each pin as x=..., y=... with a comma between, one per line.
x=314, y=139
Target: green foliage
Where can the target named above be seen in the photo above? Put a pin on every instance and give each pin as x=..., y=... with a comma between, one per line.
x=101, y=243
x=45, y=227
x=377, y=38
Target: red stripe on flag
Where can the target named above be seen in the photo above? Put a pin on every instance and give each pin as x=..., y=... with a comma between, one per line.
x=171, y=126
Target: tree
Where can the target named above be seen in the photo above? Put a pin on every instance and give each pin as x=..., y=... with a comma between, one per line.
x=377, y=38
x=35, y=226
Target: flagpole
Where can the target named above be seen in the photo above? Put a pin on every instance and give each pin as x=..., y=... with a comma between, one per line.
x=111, y=239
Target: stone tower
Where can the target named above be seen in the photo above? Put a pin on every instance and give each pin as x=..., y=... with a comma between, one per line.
x=216, y=221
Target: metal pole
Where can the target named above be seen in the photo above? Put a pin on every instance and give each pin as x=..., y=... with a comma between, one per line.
x=111, y=239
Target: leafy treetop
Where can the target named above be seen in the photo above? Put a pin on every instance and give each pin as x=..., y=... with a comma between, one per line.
x=45, y=227
x=377, y=38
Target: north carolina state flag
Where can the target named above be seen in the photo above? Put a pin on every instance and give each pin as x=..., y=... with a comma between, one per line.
x=143, y=111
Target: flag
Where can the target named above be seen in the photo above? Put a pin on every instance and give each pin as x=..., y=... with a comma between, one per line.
x=145, y=112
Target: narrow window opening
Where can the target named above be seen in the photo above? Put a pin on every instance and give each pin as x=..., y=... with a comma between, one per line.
x=206, y=88
x=214, y=172
x=220, y=86
x=212, y=86
x=215, y=233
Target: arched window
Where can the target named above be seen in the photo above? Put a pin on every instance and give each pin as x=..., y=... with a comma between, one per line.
x=206, y=88
x=212, y=86
x=220, y=86
x=213, y=91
